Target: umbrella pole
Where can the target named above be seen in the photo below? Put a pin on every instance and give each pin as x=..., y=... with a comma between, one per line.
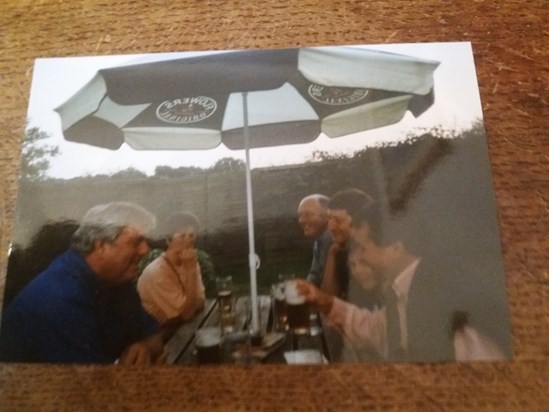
x=252, y=261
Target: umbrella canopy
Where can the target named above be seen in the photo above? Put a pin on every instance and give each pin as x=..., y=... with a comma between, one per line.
x=294, y=94
x=247, y=99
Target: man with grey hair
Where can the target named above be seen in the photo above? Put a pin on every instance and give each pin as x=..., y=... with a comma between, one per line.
x=313, y=218
x=84, y=307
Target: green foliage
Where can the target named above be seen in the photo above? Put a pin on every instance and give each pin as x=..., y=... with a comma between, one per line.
x=225, y=165
x=228, y=165
x=322, y=156
x=167, y=172
x=35, y=159
x=129, y=173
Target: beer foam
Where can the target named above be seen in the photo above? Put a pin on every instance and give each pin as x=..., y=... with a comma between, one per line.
x=292, y=294
x=295, y=300
x=278, y=291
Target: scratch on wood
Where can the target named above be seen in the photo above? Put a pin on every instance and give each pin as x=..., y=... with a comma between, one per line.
x=391, y=36
x=517, y=53
x=106, y=39
x=502, y=66
x=522, y=112
x=542, y=201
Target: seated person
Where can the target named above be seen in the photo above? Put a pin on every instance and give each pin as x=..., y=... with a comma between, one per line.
x=25, y=263
x=171, y=286
x=365, y=287
x=341, y=208
x=365, y=291
x=84, y=308
x=313, y=218
x=433, y=311
x=207, y=267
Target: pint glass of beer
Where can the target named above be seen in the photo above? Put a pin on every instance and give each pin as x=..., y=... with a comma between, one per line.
x=224, y=287
x=208, y=345
x=297, y=309
x=228, y=320
x=279, y=307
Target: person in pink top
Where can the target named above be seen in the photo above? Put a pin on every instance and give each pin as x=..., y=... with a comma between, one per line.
x=171, y=287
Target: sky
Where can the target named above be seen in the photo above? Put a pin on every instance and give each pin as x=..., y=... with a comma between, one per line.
x=55, y=80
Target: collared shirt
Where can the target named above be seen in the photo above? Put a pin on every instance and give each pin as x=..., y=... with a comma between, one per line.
x=368, y=328
x=363, y=328
x=66, y=315
x=401, y=286
x=320, y=255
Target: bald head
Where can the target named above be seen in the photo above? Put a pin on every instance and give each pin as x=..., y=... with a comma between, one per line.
x=313, y=215
x=321, y=200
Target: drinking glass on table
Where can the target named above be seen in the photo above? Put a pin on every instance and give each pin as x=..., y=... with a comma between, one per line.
x=297, y=309
x=283, y=277
x=224, y=287
x=280, y=323
x=208, y=345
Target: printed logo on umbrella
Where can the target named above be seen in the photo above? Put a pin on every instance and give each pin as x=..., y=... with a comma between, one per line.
x=336, y=96
x=186, y=109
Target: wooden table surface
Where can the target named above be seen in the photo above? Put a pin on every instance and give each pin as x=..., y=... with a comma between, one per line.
x=181, y=346
x=510, y=42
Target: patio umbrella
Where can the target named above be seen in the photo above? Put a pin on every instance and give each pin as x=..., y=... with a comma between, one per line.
x=247, y=99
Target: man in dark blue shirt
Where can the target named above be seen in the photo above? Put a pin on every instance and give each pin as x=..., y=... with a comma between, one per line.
x=84, y=307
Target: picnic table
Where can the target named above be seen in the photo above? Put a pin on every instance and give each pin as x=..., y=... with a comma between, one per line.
x=239, y=347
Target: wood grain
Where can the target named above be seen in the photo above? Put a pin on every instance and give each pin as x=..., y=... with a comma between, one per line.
x=510, y=43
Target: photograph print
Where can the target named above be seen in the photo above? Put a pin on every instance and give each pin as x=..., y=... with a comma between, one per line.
x=294, y=206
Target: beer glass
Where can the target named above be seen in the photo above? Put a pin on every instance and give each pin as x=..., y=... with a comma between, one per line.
x=224, y=287
x=284, y=277
x=297, y=309
x=279, y=307
x=228, y=320
x=208, y=345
